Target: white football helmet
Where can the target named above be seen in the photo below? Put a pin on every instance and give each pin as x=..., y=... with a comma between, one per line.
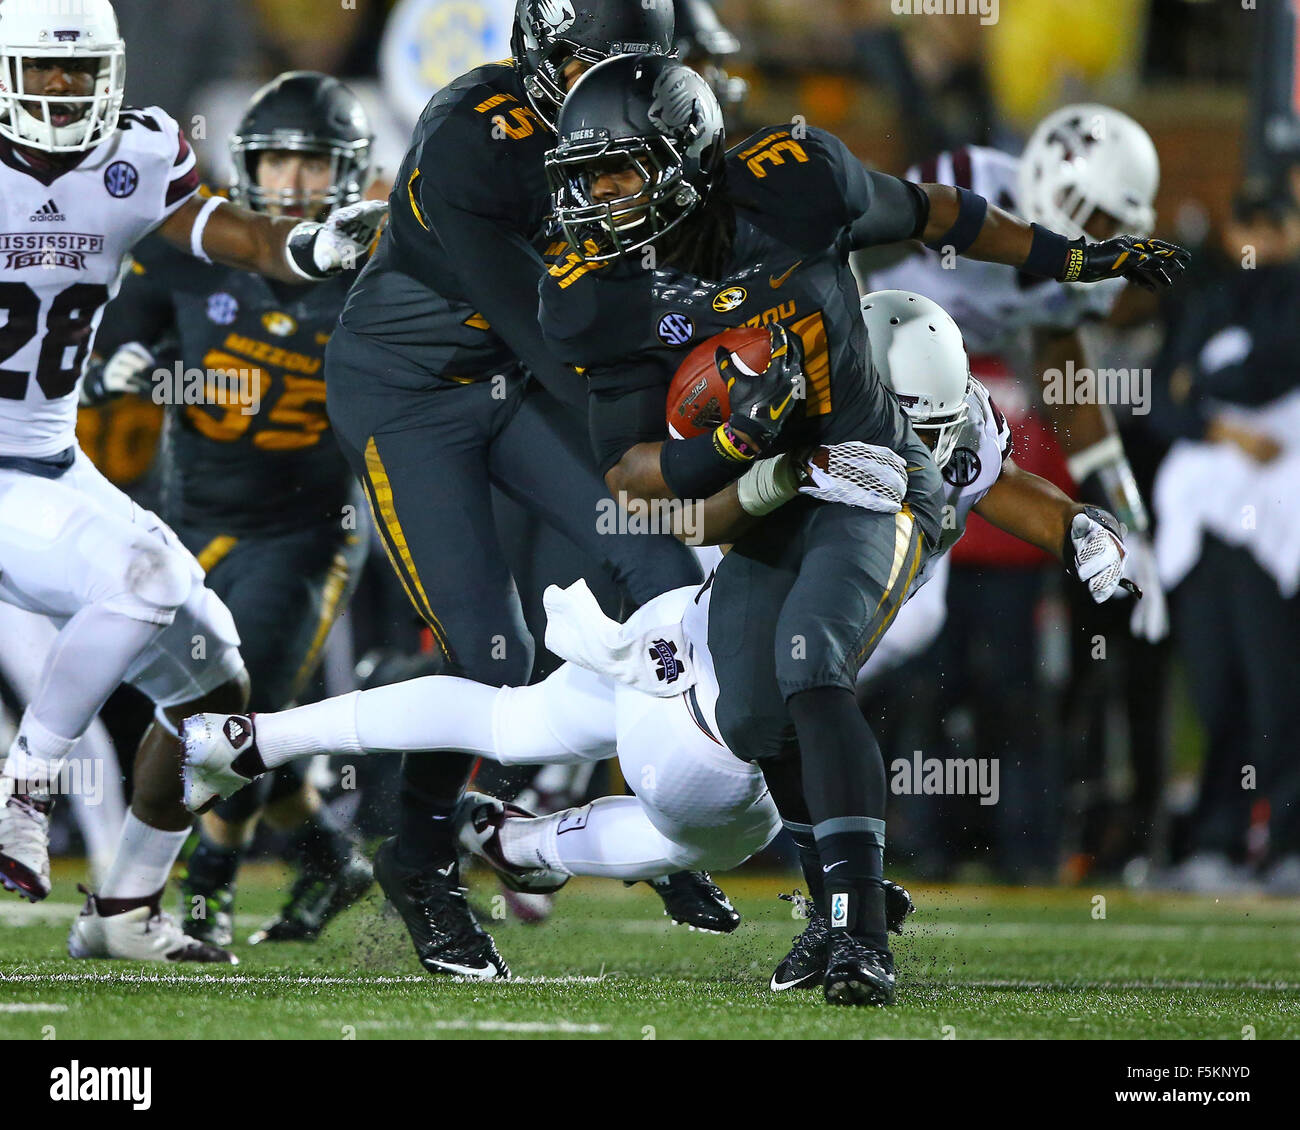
x=1084, y=157
x=60, y=29
x=917, y=350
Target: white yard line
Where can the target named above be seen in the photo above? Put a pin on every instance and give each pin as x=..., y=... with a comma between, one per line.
x=566, y=1026
x=33, y=1006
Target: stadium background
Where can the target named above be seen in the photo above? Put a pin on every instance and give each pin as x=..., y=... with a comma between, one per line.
x=1117, y=774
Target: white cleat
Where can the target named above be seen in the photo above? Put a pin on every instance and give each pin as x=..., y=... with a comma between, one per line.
x=24, y=843
x=478, y=819
x=212, y=742
x=142, y=934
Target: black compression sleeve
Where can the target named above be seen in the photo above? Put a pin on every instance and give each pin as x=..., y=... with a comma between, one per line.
x=701, y=466
x=899, y=210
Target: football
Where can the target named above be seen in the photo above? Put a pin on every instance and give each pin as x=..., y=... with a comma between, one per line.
x=697, y=398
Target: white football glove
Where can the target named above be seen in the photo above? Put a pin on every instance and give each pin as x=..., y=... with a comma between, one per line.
x=318, y=251
x=1150, y=619
x=129, y=370
x=858, y=474
x=1098, y=554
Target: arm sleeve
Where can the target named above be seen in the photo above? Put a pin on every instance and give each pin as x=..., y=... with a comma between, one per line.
x=878, y=208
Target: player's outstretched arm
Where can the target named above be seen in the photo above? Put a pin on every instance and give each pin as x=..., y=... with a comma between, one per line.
x=280, y=248
x=972, y=227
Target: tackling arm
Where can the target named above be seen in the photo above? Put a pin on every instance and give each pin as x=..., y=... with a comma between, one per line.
x=1029, y=508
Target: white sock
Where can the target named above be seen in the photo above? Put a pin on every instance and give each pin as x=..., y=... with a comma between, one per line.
x=36, y=756
x=144, y=860
x=611, y=838
x=326, y=727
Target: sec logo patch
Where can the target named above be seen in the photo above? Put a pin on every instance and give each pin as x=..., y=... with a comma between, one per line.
x=962, y=468
x=222, y=308
x=727, y=300
x=676, y=329
x=121, y=179
x=280, y=324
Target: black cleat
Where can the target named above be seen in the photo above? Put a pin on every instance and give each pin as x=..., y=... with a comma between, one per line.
x=693, y=899
x=898, y=905
x=447, y=938
x=857, y=974
x=314, y=900
x=804, y=966
x=207, y=913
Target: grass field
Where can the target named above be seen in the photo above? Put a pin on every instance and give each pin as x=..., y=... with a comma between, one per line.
x=976, y=962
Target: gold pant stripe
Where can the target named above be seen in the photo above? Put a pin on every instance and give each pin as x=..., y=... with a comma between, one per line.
x=384, y=510
x=335, y=585
x=212, y=554
x=902, y=590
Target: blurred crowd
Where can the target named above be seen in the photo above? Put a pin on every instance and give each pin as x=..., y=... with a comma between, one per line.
x=1175, y=762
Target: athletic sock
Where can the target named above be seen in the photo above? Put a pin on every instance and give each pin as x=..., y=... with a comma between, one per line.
x=425, y=834
x=321, y=845
x=810, y=862
x=144, y=860
x=326, y=727
x=36, y=758
x=844, y=785
x=211, y=866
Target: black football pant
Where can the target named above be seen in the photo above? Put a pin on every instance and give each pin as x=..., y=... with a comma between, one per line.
x=428, y=459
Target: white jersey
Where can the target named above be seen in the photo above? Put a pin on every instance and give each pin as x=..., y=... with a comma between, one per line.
x=64, y=240
x=994, y=306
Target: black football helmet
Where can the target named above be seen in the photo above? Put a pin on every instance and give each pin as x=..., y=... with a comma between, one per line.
x=550, y=33
x=648, y=113
x=308, y=112
x=704, y=44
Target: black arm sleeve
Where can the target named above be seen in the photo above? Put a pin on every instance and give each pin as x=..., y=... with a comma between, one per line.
x=499, y=274
x=897, y=210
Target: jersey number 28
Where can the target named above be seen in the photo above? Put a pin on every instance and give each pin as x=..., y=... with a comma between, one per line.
x=68, y=327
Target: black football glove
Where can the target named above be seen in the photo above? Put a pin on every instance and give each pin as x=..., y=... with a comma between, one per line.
x=762, y=403
x=1151, y=263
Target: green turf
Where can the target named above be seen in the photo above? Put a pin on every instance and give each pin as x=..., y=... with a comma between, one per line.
x=976, y=962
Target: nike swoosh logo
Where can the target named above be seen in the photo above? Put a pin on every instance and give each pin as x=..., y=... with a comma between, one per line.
x=778, y=281
x=776, y=412
x=826, y=870
x=482, y=972
x=798, y=983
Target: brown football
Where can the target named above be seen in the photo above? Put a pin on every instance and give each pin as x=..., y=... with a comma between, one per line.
x=697, y=398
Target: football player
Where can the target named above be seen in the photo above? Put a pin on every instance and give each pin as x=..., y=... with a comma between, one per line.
x=84, y=180
x=440, y=386
x=1091, y=172
x=257, y=489
x=646, y=692
x=675, y=239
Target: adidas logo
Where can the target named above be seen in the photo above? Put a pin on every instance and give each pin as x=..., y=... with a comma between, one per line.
x=49, y=212
x=237, y=731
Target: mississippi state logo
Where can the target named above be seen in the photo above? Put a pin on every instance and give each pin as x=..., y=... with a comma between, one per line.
x=121, y=179
x=962, y=468
x=668, y=668
x=238, y=731
x=223, y=308
x=727, y=300
x=676, y=329
x=280, y=324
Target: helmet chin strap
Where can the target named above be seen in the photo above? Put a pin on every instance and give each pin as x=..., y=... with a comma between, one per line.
x=41, y=133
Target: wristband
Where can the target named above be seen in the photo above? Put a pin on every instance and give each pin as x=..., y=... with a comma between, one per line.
x=1052, y=256
x=969, y=223
x=768, y=485
x=200, y=225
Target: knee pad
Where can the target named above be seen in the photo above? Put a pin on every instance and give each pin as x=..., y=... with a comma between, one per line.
x=157, y=576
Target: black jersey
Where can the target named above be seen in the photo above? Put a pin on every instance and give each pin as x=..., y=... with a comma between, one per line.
x=270, y=462
x=453, y=283
x=802, y=204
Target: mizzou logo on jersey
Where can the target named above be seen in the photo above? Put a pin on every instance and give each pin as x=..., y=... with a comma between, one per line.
x=727, y=300
x=279, y=323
